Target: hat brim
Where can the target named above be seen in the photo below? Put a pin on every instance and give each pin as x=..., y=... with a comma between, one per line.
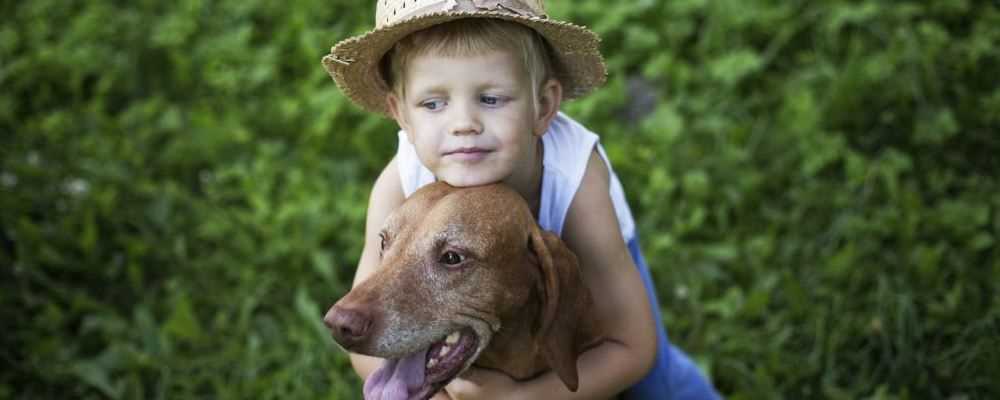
x=354, y=62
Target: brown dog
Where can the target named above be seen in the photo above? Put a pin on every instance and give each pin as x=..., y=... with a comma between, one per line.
x=466, y=277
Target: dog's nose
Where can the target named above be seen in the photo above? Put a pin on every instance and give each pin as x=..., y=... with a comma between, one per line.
x=350, y=326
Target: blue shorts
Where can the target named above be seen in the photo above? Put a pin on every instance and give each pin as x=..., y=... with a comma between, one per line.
x=674, y=375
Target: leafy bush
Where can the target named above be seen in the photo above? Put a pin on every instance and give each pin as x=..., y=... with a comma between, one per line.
x=183, y=192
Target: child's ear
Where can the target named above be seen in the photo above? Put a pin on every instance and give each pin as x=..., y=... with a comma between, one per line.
x=395, y=106
x=549, y=98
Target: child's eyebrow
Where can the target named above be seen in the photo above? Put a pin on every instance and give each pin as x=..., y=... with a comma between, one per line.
x=443, y=88
x=498, y=84
x=430, y=89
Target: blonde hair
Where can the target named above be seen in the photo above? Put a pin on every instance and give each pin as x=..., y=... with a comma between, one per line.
x=471, y=36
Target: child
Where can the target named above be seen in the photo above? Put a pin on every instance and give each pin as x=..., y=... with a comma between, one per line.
x=475, y=86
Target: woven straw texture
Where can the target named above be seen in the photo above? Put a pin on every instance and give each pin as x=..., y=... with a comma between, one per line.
x=353, y=63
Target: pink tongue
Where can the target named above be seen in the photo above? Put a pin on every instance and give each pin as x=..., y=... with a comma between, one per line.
x=396, y=379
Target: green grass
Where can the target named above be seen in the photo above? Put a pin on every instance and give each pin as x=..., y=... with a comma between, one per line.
x=183, y=189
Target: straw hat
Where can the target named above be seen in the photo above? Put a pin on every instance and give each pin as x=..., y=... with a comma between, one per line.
x=354, y=62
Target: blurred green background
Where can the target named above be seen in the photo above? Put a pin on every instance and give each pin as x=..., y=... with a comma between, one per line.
x=183, y=189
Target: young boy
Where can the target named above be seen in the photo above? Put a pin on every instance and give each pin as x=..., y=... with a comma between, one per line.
x=475, y=86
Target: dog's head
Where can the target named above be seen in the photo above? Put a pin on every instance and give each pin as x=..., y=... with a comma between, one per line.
x=456, y=264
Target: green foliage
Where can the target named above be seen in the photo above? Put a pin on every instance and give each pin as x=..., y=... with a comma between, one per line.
x=183, y=192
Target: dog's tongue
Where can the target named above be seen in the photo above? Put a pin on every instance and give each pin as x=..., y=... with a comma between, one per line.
x=397, y=379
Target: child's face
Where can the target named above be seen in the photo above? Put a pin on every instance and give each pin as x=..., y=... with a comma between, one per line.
x=472, y=119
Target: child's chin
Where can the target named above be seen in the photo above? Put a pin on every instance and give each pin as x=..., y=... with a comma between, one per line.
x=467, y=181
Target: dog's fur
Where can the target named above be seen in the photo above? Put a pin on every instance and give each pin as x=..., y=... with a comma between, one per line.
x=517, y=287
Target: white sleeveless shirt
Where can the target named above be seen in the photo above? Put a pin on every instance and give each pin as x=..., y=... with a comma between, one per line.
x=567, y=147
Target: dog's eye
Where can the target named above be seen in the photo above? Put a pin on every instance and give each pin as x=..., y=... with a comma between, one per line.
x=383, y=241
x=451, y=258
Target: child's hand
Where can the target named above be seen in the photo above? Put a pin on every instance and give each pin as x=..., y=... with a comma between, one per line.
x=479, y=383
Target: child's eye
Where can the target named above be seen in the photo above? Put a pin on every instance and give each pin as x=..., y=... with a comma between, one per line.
x=433, y=104
x=491, y=100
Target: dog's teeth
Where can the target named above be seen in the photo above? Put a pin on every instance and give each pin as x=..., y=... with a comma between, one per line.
x=452, y=338
x=444, y=350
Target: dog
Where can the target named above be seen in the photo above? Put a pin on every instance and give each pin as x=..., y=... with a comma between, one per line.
x=466, y=277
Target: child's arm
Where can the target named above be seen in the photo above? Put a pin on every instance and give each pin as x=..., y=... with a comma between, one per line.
x=592, y=232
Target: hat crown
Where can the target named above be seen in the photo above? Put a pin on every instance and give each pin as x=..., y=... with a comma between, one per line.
x=354, y=62
x=388, y=12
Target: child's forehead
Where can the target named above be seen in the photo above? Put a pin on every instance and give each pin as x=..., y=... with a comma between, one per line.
x=495, y=65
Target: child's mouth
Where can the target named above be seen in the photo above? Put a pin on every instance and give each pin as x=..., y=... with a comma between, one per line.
x=467, y=154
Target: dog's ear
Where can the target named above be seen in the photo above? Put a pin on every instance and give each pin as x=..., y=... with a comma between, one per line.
x=561, y=285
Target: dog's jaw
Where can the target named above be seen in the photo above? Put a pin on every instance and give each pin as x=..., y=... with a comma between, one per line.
x=484, y=331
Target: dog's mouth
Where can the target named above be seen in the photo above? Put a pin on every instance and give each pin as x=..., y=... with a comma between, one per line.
x=420, y=375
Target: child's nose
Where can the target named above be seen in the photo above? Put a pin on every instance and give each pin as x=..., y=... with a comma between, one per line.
x=465, y=121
